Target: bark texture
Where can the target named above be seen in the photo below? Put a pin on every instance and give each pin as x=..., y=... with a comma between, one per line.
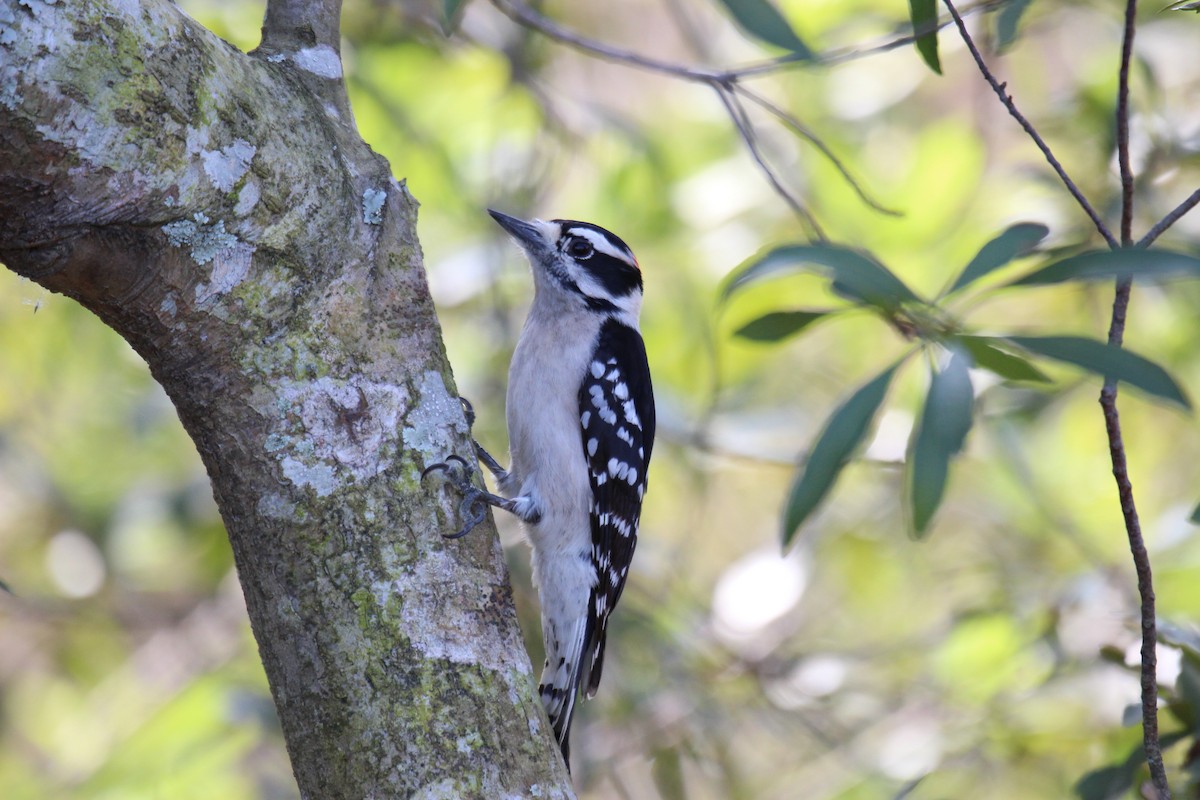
x=220, y=211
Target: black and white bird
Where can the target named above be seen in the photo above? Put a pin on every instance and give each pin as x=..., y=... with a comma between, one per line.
x=580, y=411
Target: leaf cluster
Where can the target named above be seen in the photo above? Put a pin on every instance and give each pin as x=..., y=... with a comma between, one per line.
x=953, y=347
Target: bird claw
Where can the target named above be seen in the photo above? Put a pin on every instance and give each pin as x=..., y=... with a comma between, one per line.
x=473, y=504
x=459, y=476
x=468, y=412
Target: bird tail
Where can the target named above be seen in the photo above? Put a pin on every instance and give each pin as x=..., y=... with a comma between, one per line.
x=561, y=676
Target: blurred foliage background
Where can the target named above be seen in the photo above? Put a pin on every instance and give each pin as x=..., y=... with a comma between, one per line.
x=992, y=660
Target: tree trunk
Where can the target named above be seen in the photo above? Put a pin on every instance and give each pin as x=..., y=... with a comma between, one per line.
x=220, y=211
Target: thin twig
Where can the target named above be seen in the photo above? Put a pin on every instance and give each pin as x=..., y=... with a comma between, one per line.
x=1170, y=219
x=1116, y=442
x=725, y=83
x=1016, y=114
x=720, y=82
x=737, y=112
x=1123, y=127
x=801, y=130
x=524, y=15
x=854, y=53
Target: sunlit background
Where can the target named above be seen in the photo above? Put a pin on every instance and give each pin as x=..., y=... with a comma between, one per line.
x=983, y=662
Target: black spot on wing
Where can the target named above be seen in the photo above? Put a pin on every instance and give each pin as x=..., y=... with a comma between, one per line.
x=616, y=405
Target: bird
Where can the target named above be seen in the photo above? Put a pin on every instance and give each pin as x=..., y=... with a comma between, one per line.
x=580, y=414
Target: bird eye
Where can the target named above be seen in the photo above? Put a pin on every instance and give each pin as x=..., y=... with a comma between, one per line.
x=580, y=248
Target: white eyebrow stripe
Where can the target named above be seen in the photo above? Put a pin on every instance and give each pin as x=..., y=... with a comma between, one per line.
x=603, y=245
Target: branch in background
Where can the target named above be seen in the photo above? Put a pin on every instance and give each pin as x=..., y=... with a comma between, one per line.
x=723, y=82
x=526, y=16
x=1123, y=127
x=1007, y=100
x=1108, y=396
x=801, y=130
x=1116, y=442
x=1170, y=219
x=737, y=113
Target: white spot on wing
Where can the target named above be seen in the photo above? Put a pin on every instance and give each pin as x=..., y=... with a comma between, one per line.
x=631, y=415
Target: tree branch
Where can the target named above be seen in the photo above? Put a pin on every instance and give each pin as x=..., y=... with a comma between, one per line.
x=1116, y=442
x=1006, y=99
x=745, y=129
x=1108, y=395
x=1123, y=125
x=803, y=131
x=526, y=16
x=295, y=24
x=721, y=82
x=1170, y=219
x=307, y=34
x=233, y=227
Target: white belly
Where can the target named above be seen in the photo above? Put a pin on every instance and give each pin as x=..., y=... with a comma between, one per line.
x=545, y=438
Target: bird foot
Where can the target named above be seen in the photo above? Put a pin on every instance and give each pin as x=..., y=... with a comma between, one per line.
x=458, y=472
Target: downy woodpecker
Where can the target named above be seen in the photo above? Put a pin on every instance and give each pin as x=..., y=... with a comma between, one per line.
x=580, y=411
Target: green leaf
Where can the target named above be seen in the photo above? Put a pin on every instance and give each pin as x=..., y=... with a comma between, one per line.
x=925, y=29
x=854, y=274
x=1113, y=363
x=763, y=21
x=841, y=436
x=1195, y=516
x=939, y=437
x=779, y=325
x=1109, y=783
x=451, y=14
x=987, y=355
x=1007, y=21
x=1016, y=241
x=1129, y=262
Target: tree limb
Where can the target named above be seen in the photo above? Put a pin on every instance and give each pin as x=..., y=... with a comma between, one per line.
x=220, y=212
x=294, y=24
x=1170, y=219
x=1116, y=441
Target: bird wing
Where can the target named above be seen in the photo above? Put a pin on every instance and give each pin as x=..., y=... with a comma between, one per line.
x=616, y=405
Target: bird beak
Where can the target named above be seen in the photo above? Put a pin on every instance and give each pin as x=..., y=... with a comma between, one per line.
x=527, y=234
